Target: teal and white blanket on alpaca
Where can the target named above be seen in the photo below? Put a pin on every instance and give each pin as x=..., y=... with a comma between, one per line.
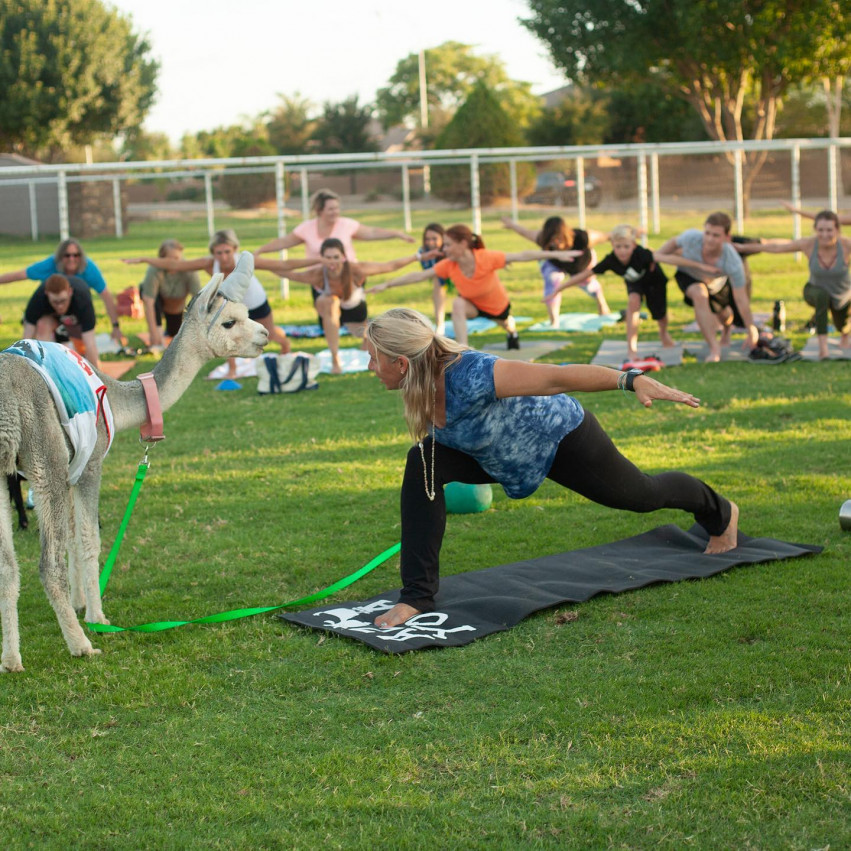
x=79, y=395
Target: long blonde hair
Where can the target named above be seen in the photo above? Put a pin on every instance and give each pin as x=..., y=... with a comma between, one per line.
x=402, y=332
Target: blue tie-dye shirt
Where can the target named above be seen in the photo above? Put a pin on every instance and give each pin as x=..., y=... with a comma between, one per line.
x=514, y=439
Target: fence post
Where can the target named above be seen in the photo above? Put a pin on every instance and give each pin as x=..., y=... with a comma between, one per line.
x=64, y=231
x=796, y=194
x=406, y=197
x=512, y=171
x=580, y=190
x=642, y=195
x=305, y=195
x=116, y=206
x=475, y=193
x=654, y=192
x=832, y=182
x=33, y=212
x=208, y=195
x=740, y=195
x=280, y=202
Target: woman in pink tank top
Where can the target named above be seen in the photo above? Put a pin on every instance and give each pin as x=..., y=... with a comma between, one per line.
x=329, y=224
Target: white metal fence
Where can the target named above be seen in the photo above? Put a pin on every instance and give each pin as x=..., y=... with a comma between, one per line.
x=641, y=180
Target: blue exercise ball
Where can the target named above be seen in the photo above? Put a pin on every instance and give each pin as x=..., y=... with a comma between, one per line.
x=467, y=499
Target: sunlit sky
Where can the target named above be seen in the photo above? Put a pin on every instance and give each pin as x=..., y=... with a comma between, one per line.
x=216, y=67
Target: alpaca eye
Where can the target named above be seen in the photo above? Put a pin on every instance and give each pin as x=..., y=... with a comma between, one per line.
x=229, y=324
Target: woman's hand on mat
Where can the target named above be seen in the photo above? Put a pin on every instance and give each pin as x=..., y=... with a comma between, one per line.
x=399, y=614
x=650, y=390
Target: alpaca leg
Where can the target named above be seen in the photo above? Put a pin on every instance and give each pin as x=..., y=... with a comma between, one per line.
x=53, y=522
x=10, y=586
x=85, y=547
x=76, y=583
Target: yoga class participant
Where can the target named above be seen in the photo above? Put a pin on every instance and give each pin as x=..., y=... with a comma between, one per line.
x=223, y=257
x=719, y=298
x=555, y=235
x=472, y=271
x=70, y=260
x=337, y=287
x=329, y=224
x=828, y=289
x=479, y=419
x=642, y=273
x=166, y=294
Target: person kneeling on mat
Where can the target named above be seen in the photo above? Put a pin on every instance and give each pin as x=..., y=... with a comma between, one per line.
x=509, y=422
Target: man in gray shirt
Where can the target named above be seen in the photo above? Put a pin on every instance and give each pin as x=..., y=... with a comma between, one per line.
x=720, y=299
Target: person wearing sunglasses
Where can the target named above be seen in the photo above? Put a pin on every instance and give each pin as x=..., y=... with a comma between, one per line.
x=70, y=260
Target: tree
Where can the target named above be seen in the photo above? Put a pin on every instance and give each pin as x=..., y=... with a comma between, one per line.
x=291, y=125
x=480, y=122
x=581, y=118
x=246, y=191
x=833, y=65
x=70, y=71
x=223, y=142
x=727, y=58
x=452, y=71
x=344, y=129
x=139, y=145
x=670, y=118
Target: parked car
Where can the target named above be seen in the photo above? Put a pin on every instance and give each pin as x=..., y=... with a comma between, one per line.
x=559, y=189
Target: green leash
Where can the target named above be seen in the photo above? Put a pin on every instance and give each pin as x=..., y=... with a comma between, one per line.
x=113, y=553
x=222, y=617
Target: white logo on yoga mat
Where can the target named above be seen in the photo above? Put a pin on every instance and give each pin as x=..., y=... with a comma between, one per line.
x=426, y=625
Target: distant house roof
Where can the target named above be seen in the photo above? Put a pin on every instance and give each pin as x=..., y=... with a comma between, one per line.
x=392, y=140
x=556, y=96
x=9, y=160
x=396, y=138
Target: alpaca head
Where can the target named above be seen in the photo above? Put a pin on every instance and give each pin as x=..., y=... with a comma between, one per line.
x=222, y=316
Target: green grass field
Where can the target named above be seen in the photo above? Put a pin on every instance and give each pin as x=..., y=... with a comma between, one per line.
x=706, y=714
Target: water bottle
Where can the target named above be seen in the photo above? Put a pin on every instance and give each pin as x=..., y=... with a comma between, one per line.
x=778, y=322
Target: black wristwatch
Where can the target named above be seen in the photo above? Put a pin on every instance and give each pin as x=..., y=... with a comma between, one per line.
x=631, y=375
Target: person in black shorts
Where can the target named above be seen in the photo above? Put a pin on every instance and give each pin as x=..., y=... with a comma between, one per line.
x=61, y=311
x=641, y=270
x=719, y=297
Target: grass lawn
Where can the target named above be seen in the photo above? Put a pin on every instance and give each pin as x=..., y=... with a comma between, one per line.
x=706, y=714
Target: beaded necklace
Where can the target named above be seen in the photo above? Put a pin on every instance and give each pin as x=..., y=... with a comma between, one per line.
x=430, y=493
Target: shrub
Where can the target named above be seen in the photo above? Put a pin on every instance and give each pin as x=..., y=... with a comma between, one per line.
x=244, y=191
x=481, y=122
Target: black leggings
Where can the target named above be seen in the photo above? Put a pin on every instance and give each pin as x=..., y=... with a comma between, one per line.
x=586, y=462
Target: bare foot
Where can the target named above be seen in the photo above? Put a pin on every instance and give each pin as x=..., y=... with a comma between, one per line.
x=713, y=357
x=336, y=368
x=668, y=342
x=728, y=539
x=400, y=613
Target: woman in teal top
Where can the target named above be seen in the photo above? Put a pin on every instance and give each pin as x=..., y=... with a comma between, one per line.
x=69, y=259
x=478, y=419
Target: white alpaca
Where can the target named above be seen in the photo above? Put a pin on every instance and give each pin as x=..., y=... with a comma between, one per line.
x=33, y=440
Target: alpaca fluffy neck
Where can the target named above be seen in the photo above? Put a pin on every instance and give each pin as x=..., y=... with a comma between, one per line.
x=180, y=363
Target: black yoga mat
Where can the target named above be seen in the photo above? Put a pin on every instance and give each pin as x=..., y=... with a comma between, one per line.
x=475, y=604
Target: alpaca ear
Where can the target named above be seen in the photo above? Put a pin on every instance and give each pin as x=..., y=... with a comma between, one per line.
x=236, y=284
x=213, y=287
